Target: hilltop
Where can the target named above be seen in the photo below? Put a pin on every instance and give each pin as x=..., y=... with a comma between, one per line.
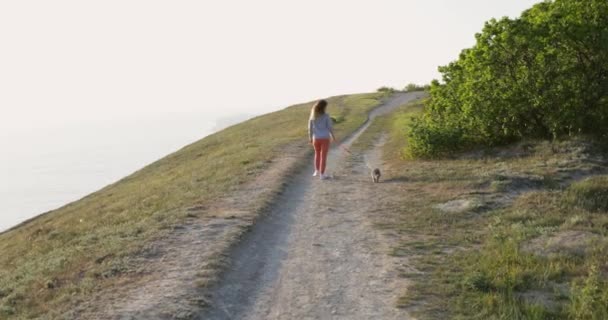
x=516, y=230
x=493, y=203
x=105, y=241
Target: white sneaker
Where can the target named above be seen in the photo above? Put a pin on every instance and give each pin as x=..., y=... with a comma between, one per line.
x=316, y=173
x=324, y=176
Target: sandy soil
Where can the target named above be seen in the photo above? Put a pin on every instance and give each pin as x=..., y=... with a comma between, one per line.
x=316, y=254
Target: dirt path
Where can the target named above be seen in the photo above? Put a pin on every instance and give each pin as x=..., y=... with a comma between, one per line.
x=316, y=255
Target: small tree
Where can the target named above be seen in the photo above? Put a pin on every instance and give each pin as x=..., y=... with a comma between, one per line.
x=542, y=75
x=386, y=89
x=414, y=87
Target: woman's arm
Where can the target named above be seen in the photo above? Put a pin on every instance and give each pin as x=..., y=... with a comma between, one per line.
x=330, y=125
x=310, y=130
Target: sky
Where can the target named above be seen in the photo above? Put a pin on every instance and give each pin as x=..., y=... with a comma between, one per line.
x=73, y=62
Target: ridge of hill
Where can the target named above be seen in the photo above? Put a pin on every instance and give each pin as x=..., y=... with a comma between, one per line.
x=514, y=232
x=54, y=262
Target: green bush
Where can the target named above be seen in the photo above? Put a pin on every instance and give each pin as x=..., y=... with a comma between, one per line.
x=386, y=89
x=432, y=140
x=414, y=87
x=542, y=75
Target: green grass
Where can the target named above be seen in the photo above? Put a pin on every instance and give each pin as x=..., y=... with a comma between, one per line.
x=590, y=194
x=495, y=259
x=54, y=261
x=492, y=281
x=395, y=127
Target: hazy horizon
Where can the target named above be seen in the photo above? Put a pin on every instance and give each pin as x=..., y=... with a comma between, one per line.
x=64, y=167
x=70, y=61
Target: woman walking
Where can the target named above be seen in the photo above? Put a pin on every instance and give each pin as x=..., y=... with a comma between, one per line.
x=320, y=132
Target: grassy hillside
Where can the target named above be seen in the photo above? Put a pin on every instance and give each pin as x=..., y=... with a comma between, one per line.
x=516, y=232
x=53, y=261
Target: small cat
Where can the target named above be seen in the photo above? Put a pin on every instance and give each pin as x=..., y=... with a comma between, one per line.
x=376, y=175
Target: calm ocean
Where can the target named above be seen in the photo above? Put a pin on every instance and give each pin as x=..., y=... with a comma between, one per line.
x=44, y=169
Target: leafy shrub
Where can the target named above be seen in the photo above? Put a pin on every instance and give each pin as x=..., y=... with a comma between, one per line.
x=542, y=75
x=386, y=89
x=432, y=140
x=414, y=87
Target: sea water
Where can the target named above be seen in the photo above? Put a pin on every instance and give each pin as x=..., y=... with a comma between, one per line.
x=44, y=169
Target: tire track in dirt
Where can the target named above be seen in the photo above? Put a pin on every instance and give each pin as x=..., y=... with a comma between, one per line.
x=315, y=255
